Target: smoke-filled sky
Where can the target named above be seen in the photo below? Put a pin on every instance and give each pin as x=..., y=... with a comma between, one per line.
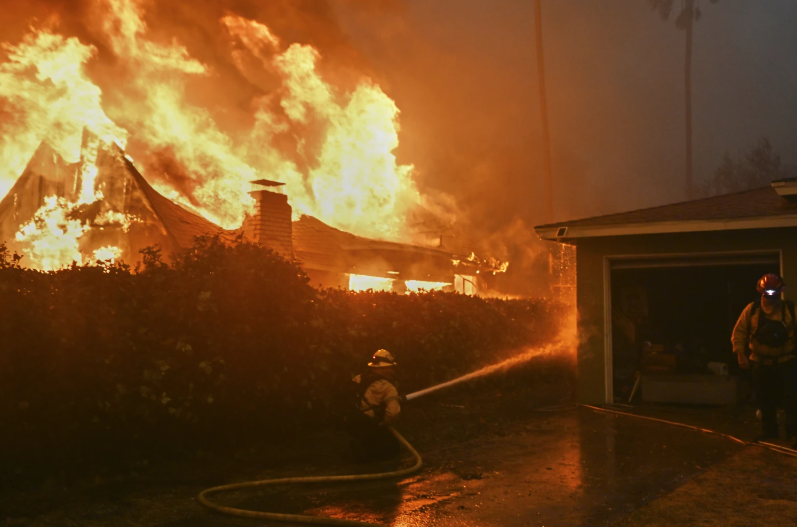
x=463, y=76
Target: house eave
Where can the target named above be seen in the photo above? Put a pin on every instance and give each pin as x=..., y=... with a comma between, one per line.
x=376, y=245
x=549, y=232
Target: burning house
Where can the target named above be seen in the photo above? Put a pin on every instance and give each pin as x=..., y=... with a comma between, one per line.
x=96, y=209
x=345, y=194
x=334, y=258
x=102, y=208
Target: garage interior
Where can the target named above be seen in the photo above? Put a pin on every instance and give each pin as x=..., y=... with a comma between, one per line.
x=672, y=317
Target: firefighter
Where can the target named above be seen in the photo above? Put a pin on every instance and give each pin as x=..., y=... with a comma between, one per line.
x=766, y=329
x=377, y=405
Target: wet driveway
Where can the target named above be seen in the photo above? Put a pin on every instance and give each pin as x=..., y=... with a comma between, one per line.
x=490, y=459
x=575, y=467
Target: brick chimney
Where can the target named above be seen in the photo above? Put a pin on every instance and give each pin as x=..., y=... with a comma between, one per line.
x=271, y=224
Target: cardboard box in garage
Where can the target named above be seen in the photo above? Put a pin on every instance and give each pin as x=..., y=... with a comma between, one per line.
x=689, y=389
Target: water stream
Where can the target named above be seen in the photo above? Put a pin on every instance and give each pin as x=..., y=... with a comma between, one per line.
x=513, y=361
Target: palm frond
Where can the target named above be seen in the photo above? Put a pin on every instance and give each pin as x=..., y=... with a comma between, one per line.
x=664, y=7
x=684, y=18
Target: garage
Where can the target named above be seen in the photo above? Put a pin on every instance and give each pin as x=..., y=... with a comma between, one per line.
x=674, y=316
x=659, y=291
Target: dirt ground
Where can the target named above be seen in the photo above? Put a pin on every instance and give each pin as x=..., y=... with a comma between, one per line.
x=493, y=454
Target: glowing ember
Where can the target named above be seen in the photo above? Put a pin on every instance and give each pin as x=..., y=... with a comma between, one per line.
x=88, y=172
x=52, y=236
x=359, y=282
x=112, y=218
x=418, y=285
x=364, y=283
x=104, y=254
x=491, y=264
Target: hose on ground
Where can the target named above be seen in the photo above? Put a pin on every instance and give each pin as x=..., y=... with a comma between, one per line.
x=302, y=518
x=776, y=448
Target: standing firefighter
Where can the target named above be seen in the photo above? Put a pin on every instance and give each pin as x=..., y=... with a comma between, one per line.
x=766, y=328
x=377, y=406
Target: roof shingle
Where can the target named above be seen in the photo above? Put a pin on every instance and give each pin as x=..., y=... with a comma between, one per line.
x=757, y=203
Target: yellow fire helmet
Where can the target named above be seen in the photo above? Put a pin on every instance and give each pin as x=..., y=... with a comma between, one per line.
x=382, y=359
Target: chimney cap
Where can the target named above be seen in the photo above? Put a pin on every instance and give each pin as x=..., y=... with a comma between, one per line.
x=267, y=183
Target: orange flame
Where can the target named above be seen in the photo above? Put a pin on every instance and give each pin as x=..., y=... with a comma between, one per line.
x=52, y=239
x=107, y=254
x=420, y=285
x=52, y=99
x=53, y=236
x=349, y=179
x=358, y=282
x=357, y=184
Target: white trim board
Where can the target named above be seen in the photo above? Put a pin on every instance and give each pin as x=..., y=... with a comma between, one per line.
x=608, y=355
x=549, y=232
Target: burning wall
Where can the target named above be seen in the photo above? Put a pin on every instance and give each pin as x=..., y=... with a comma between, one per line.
x=98, y=208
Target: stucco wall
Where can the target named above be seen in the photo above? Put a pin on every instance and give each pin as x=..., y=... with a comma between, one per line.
x=591, y=257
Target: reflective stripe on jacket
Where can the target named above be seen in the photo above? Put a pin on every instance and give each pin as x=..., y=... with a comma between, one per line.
x=747, y=325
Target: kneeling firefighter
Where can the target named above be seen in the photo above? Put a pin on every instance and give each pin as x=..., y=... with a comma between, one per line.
x=766, y=329
x=377, y=405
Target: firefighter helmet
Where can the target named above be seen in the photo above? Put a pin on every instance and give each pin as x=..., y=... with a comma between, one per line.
x=770, y=284
x=382, y=359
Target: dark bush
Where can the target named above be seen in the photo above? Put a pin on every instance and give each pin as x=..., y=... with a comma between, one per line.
x=105, y=364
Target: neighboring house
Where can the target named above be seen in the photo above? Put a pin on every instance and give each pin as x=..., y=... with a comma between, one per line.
x=131, y=215
x=660, y=289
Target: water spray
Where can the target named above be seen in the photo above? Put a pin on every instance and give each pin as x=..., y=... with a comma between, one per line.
x=487, y=370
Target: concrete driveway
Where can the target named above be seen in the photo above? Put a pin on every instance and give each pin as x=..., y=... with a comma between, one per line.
x=576, y=467
x=495, y=459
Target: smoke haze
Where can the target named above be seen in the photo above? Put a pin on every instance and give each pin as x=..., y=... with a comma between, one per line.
x=464, y=74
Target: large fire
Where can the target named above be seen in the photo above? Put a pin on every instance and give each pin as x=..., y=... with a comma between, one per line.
x=376, y=283
x=333, y=148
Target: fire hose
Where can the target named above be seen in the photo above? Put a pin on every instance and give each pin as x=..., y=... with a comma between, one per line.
x=302, y=518
x=776, y=448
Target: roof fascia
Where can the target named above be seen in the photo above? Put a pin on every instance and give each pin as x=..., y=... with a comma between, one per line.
x=310, y=264
x=134, y=173
x=372, y=245
x=589, y=231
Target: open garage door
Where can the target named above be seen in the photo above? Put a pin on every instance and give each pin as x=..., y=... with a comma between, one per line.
x=698, y=260
x=682, y=308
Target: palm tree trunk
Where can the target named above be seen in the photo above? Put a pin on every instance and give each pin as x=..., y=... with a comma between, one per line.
x=546, y=136
x=688, y=92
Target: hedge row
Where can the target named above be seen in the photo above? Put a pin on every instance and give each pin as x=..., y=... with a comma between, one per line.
x=101, y=363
